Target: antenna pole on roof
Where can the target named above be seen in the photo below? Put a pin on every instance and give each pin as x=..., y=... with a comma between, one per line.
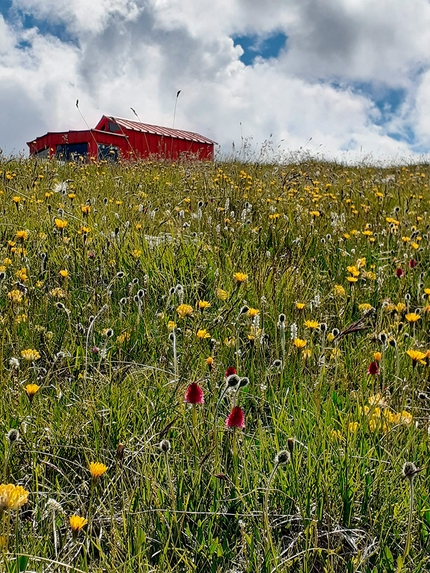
x=144, y=134
x=174, y=112
x=136, y=114
x=85, y=121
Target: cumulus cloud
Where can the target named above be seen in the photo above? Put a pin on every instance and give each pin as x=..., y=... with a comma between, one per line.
x=352, y=78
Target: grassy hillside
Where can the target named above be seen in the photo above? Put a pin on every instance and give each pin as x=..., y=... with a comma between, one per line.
x=129, y=297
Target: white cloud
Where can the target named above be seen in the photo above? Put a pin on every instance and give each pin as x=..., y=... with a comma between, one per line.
x=118, y=54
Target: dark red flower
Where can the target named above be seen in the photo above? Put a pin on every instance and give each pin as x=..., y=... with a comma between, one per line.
x=194, y=394
x=412, y=263
x=230, y=370
x=399, y=273
x=236, y=418
x=373, y=368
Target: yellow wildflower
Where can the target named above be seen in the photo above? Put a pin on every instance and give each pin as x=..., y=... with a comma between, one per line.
x=300, y=305
x=97, y=469
x=336, y=435
x=64, y=273
x=22, y=235
x=30, y=354
x=203, y=333
x=202, y=304
x=339, y=290
x=60, y=224
x=299, y=343
x=77, y=523
x=221, y=294
x=21, y=274
x=15, y=296
x=240, y=277
x=412, y=317
x=184, y=310
x=312, y=324
x=416, y=356
x=31, y=390
x=253, y=312
x=353, y=427
x=12, y=496
x=353, y=270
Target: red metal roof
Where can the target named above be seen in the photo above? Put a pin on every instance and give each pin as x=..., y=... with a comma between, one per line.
x=157, y=130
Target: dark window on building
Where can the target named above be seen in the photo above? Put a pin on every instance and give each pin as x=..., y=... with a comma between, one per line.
x=42, y=153
x=72, y=151
x=107, y=152
x=113, y=127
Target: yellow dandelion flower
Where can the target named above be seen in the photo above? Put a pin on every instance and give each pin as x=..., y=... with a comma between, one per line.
x=31, y=390
x=171, y=325
x=300, y=305
x=339, y=290
x=377, y=356
x=209, y=361
x=406, y=418
x=299, y=343
x=416, y=356
x=30, y=355
x=202, y=304
x=12, y=496
x=393, y=221
x=184, y=310
x=85, y=209
x=15, y=296
x=412, y=317
x=203, y=333
x=22, y=275
x=353, y=270
x=400, y=307
x=364, y=307
x=60, y=224
x=352, y=279
x=63, y=273
x=77, y=523
x=57, y=292
x=253, y=312
x=312, y=324
x=22, y=235
x=240, y=277
x=222, y=294
x=97, y=469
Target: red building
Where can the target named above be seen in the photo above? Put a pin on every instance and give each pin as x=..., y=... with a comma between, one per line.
x=114, y=137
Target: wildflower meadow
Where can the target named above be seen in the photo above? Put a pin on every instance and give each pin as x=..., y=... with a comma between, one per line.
x=214, y=367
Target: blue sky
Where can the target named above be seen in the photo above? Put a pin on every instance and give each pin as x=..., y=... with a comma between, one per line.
x=343, y=78
x=255, y=46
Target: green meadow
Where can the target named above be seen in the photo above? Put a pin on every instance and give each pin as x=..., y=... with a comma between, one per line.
x=214, y=367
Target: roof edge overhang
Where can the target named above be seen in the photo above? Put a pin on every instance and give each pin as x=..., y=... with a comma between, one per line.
x=173, y=131
x=88, y=132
